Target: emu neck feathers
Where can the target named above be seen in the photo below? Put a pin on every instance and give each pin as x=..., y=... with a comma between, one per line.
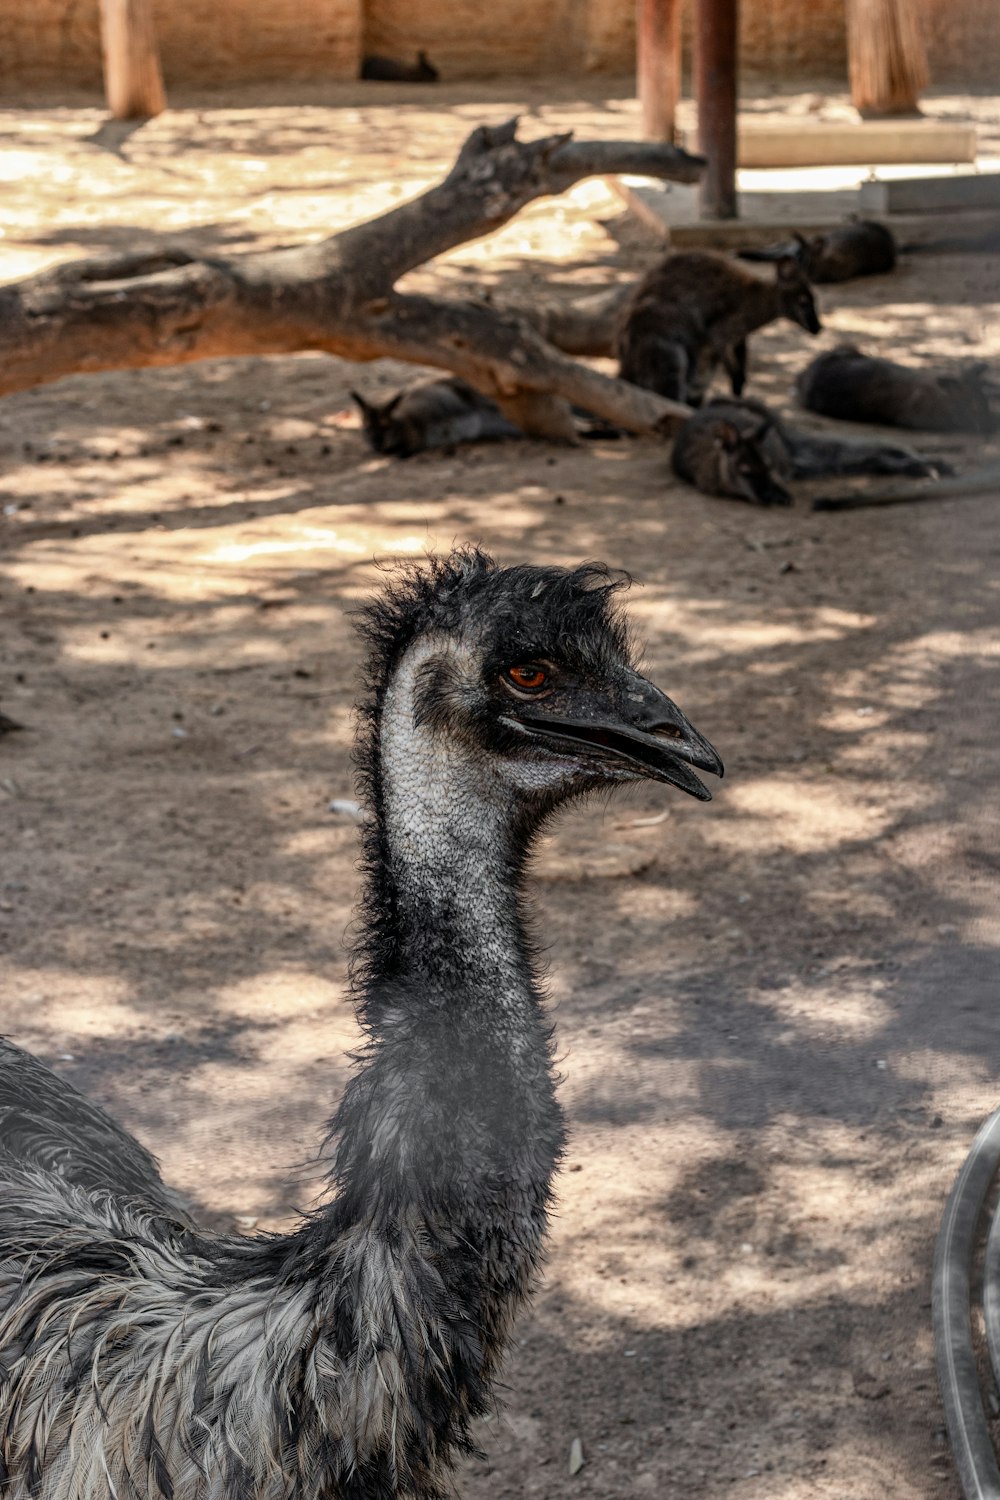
x=450, y=847
x=457, y=1094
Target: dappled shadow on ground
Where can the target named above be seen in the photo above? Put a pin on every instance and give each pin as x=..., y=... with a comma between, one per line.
x=775, y=1013
x=766, y=1088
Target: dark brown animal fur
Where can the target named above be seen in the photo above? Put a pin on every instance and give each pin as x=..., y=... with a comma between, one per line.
x=862, y=247
x=855, y=387
x=742, y=451
x=389, y=70
x=695, y=310
x=434, y=413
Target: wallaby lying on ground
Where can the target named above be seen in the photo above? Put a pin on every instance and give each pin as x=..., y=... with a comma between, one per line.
x=388, y=70
x=696, y=309
x=433, y=413
x=855, y=387
x=742, y=450
x=862, y=247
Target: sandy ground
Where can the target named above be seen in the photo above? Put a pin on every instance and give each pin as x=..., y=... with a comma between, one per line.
x=776, y=1013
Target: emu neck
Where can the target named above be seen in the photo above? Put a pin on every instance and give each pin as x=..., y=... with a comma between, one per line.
x=453, y=855
x=454, y=1115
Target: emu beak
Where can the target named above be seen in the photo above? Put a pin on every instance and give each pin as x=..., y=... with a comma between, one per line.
x=650, y=734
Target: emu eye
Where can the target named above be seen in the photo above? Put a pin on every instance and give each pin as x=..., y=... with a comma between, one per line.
x=528, y=677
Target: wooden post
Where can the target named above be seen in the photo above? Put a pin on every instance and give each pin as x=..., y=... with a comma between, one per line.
x=715, y=88
x=887, y=57
x=133, y=82
x=658, y=65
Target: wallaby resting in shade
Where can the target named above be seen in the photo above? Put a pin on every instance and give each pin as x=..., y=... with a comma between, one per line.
x=388, y=70
x=695, y=310
x=741, y=450
x=856, y=387
x=862, y=247
x=435, y=413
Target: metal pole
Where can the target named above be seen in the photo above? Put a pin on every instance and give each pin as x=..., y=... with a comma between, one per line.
x=658, y=65
x=715, y=88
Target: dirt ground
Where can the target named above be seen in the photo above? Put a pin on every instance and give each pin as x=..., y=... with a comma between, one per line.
x=776, y=1013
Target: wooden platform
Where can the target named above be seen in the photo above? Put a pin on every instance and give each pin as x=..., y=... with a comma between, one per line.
x=862, y=143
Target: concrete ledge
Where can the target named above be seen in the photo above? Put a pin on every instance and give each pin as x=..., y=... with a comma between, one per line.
x=930, y=194
x=862, y=143
x=671, y=212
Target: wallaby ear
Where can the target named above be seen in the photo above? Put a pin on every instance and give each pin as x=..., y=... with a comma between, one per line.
x=800, y=240
x=362, y=405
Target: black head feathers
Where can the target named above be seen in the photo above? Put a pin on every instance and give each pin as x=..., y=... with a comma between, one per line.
x=567, y=611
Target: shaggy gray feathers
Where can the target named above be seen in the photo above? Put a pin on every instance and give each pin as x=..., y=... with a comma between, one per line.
x=46, y=1123
x=141, y=1358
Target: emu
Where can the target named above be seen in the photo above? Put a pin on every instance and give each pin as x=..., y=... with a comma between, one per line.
x=347, y=1359
x=696, y=308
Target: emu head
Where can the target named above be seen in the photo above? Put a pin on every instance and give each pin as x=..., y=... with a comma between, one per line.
x=797, y=300
x=513, y=688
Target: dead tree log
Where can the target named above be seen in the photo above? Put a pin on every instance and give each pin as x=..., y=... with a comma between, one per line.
x=171, y=307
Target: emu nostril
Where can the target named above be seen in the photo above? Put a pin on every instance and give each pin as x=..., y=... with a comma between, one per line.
x=667, y=731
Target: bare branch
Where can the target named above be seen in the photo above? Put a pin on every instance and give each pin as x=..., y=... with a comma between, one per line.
x=168, y=306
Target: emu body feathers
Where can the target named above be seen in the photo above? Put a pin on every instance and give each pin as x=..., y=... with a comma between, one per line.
x=142, y=1358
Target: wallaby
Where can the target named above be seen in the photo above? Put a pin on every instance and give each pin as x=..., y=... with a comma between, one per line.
x=696, y=309
x=721, y=457
x=433, y=413
x=855, y=387
x=862, y=247
x=742, y=450
x=388, y=70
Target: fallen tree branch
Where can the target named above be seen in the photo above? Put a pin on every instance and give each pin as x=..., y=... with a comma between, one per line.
x=169, y=307
x=954, y=486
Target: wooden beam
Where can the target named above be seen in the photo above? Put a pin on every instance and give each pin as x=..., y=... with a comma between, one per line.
x=715, y=88
x=658, y=66
x=133, y=82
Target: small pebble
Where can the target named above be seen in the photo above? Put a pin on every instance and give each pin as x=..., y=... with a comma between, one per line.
x=576, y=1458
